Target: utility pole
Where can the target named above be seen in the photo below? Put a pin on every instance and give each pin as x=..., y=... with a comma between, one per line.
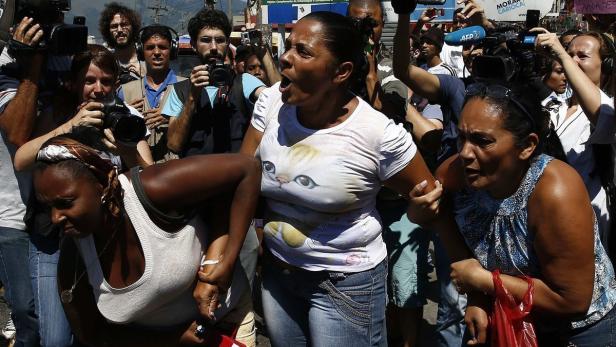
x=157, y=8
x=230, y=11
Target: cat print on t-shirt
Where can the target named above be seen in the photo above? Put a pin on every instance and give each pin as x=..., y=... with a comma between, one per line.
x=312, y=178
x=320, y=185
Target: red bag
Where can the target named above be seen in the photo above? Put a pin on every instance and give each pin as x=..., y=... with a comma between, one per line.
x=510, y=324
x=217, y=338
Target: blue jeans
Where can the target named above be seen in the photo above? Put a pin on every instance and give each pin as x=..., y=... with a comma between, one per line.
x=322, y=308
x=44, y=254
x=599, y=334
x=450, y=325
x=17, y=290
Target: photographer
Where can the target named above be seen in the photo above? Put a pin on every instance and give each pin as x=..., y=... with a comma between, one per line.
x=119, y=25
x=150, y=93
x=211, y=110
x=92, y=81
x=210, y=113
x=380, y=88
x=20, y=82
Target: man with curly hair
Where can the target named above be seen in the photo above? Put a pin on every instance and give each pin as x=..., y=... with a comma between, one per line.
x=119, y=26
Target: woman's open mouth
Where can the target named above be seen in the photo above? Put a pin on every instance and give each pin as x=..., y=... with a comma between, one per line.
x=284, y=84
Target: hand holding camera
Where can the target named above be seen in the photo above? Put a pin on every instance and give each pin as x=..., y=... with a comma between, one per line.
x=90, y=114
x=199, y=78
x=473, y=14
x=22, y=46
x=28, y=33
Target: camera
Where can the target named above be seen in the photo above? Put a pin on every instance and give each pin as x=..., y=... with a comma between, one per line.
x=125, y=127
x=59, y=39
x=221, y=74
x=366, y=27
x=251, y=37
x=509, y=53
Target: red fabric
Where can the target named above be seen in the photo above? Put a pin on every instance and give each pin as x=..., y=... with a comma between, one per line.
x=216, y=338
x=510, y=324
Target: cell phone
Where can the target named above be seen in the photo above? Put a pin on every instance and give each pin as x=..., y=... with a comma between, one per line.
x=79, y=20
x=254, y=35
x=245, y=38
x=532, y=19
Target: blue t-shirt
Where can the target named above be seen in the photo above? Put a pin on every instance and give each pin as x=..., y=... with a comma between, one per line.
x=173, y=106
x=152, y=94
x=451, y=98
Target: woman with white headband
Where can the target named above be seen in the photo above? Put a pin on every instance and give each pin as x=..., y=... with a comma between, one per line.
x=128, y=273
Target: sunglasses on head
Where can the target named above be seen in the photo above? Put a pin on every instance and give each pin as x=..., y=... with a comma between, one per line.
x=499, y=92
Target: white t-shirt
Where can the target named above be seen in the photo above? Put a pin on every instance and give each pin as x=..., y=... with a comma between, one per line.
x=577, y=136
x=452, y=56
x=321, y=185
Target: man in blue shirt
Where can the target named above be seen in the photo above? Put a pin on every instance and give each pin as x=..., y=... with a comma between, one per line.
x=148, y=94
x=208, y=116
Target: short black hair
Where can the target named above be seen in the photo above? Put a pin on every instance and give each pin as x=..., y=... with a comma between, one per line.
x=154, y=30
x=111, y=9
x=207, y=18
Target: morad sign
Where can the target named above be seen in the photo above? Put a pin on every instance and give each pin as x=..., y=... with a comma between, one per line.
x=513, y=10
x=509, y=5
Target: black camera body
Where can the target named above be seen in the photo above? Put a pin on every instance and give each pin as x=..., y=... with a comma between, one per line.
x=251, y=37
x=221, y=74
x=508, y=55
x=59, y=39
x=125, y=127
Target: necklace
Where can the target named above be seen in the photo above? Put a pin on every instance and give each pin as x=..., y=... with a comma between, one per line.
x=66, y=296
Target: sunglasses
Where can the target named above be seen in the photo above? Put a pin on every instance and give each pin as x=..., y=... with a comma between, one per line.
x=499, y=92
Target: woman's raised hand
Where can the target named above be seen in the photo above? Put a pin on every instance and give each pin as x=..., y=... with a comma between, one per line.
x=548, y=43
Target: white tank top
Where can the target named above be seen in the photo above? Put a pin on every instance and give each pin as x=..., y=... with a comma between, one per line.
x=163, y=296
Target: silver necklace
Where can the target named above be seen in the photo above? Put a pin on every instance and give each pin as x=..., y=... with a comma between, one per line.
x=66, y=296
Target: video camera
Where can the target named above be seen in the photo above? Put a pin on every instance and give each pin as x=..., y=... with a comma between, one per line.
x=125, y=126
x=508, y=50
x=59, y=38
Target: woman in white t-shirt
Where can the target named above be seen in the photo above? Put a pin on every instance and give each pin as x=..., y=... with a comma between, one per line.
x=588, y=119
x=325, y=154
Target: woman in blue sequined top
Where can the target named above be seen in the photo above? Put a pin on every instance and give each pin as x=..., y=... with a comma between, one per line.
x=525, y=213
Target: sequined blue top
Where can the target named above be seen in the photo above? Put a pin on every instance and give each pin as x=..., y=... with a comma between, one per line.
x=497, y=233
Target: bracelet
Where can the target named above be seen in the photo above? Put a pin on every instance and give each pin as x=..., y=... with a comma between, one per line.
x=209, y=261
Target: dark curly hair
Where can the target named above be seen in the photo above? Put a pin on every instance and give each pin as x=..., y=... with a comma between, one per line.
x=207, y=18
x=111, y=9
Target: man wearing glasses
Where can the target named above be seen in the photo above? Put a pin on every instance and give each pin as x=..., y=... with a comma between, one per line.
x=119, y=26
x=209, y=114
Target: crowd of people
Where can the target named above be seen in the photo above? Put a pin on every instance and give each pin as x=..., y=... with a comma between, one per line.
x=146, y=208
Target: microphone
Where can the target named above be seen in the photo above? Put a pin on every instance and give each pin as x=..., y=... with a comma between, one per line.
x=470, y=35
